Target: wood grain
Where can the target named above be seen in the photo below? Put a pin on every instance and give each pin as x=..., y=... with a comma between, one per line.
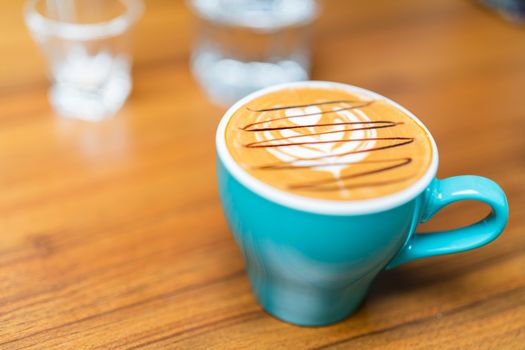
x=112, y=236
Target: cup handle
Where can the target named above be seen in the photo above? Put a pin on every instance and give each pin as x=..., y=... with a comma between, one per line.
x=443, y=192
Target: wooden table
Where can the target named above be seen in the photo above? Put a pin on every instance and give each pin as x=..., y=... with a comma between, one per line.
x=112, y=234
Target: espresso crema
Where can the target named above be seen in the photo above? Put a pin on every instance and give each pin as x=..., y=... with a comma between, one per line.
x=328, y=143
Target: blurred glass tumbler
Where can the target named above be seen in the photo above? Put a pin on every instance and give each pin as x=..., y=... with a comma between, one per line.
x=511, y=10
x=87, y=46
x=245, y=45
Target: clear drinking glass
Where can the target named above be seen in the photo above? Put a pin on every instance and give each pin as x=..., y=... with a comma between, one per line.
x=511, y=10
x=245, y=45
x=87, y=46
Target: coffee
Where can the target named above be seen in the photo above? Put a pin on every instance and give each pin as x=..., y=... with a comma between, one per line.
x=328, y=143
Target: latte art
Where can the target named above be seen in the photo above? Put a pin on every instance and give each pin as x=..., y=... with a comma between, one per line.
x=342, y=148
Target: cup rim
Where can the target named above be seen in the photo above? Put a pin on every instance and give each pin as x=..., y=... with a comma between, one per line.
x=316, y=205
x=40, y=24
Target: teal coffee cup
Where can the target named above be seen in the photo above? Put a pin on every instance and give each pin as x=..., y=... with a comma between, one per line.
x=312, y=261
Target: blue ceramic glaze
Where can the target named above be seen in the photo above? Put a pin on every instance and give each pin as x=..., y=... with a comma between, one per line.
x=312, y=269
x=313, y=266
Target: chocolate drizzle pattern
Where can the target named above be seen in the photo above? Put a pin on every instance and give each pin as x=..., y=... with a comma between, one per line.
x=249, y=126
x=318, y=129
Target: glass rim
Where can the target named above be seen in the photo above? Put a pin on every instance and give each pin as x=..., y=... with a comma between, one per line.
x=39, y=23
x=263, y=24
